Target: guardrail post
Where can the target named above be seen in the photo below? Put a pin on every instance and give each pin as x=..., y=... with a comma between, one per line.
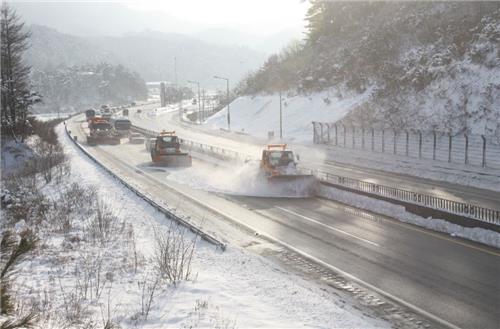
x=363, y=137
x=407, y=141
x=484, y=151
x=373, y=137
x=434, y=146
x=353, y=136
x=449, y=147
x=383, y=140
x=395, y=143
x=343, y=126
x=466, y=149
x=336, y=135
x=419, y=144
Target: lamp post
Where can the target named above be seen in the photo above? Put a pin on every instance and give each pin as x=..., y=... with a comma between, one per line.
x=228, y=113
x=281, y=118
x=199, y=105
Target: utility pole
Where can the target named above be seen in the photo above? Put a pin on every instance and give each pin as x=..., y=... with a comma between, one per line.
x=281, y=119
x=203, y=106
x=175, y=71
x=199, y=98
x=228, y=113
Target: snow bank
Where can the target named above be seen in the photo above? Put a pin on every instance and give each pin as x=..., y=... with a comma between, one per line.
x=257, y=115
x=398, y=212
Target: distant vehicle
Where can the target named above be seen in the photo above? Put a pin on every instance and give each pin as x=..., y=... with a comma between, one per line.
x=106, y=113
x=101, y=132
x=90, y=113
x=125, y=112
x=139, y=111
x=135, y=138
x=132, y=104
x=167, y=151
x=121, y=125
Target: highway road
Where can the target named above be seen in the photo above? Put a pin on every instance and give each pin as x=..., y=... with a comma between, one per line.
x=312, y=158
x=452, y=279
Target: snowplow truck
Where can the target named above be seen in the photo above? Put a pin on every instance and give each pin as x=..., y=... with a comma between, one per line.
x=278, y=164
x=101, y=132
x=166, y=151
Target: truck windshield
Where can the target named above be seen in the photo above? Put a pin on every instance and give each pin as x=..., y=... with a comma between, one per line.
x=280, y=158
x=165, y=141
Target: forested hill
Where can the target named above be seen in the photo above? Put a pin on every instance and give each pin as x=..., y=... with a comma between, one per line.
x=149, y=53
x=429, y=64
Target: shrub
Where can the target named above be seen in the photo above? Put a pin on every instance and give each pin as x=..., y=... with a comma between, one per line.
x=173, y=253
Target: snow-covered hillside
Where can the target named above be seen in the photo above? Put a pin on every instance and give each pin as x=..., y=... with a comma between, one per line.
x=435, y=65
x=258, y=115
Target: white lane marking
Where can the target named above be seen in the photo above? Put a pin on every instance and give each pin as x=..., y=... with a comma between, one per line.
x=327, y=226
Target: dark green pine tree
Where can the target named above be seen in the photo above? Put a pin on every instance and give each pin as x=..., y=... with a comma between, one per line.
x=16, y=97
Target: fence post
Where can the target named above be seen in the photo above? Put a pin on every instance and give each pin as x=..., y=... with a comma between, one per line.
x=419, y=144
x=343, y=126
x=395, y=134
x=449, y=147
x=363, y=137
x=383, y=140
x=466, y=149
x=336, y=135
x=373, y=142
x=407, y=141
x=353, y=134
x=484, y=151
x=321, y=132
x=434, y=147
x=328, y=127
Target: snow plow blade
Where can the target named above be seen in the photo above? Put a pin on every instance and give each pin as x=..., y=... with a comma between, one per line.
x=294, y=185
x=174, y=160
x=92, y=141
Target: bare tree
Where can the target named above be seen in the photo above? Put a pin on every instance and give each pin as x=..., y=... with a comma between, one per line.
x=16, y=97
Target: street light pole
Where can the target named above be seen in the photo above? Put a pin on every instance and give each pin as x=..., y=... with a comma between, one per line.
x=281, y=119
x=228, y=112
x=199, y=105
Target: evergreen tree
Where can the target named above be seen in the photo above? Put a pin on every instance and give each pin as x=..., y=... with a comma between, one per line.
x=16, y=97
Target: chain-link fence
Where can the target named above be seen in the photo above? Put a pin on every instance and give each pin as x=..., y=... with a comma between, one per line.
x=471, y=149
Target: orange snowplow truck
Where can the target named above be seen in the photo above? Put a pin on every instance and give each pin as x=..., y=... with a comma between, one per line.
x=101, y=132
x=167, y=151
x=279, y=163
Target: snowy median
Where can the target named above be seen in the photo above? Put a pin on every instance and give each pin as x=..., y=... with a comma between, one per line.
x=398, y=212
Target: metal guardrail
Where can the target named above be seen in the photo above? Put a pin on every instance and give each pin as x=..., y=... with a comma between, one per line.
x=219, y=152
x=160, y=208
x=453, y=207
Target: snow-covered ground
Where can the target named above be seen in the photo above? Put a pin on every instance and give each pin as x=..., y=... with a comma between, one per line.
x=14, y=155
x=260, y=114
x=231, y=289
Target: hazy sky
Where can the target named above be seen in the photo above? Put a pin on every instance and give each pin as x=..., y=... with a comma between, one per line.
x=259, y=17
x=251, y=16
